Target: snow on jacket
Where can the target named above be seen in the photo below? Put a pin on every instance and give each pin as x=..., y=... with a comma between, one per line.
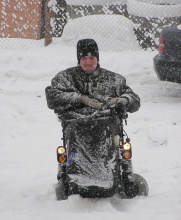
x=67, y=87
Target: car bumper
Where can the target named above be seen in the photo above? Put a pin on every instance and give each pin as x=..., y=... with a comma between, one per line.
x=167, y=70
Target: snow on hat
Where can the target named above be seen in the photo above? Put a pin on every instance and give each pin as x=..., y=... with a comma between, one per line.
x=87, y=47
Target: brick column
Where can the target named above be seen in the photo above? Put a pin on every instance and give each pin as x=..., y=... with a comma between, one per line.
x=20, y=19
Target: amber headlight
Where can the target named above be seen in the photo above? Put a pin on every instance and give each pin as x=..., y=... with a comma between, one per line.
x=126, y=150
x=61, y=154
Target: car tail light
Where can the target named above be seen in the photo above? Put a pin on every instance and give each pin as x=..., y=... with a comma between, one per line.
x=162, y=45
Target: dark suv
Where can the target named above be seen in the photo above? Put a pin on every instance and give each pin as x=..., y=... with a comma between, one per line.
x=167, y=63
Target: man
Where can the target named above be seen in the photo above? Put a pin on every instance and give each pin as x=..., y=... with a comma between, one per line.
x=81, y=90
x=78, y=94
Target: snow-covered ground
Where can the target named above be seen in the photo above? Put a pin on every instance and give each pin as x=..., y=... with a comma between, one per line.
x=30, y=133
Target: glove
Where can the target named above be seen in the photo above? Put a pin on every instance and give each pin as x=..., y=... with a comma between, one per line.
x=116, y=101
x=93, y=103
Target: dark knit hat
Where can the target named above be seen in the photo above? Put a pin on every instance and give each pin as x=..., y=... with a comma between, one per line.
x=87, y=47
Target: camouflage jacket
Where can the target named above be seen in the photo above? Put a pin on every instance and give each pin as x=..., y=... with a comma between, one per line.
x=67, y=87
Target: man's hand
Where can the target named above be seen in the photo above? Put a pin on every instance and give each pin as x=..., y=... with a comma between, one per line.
x=116, y=101
x=93, y=103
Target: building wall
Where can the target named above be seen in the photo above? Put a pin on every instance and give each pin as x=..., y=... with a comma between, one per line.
x=20, y=19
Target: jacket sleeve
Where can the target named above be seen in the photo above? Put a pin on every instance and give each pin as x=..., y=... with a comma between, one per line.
x=125, y=91
x=62, y=92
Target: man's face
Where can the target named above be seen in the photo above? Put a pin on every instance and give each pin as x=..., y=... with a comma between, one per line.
x=88, y=63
